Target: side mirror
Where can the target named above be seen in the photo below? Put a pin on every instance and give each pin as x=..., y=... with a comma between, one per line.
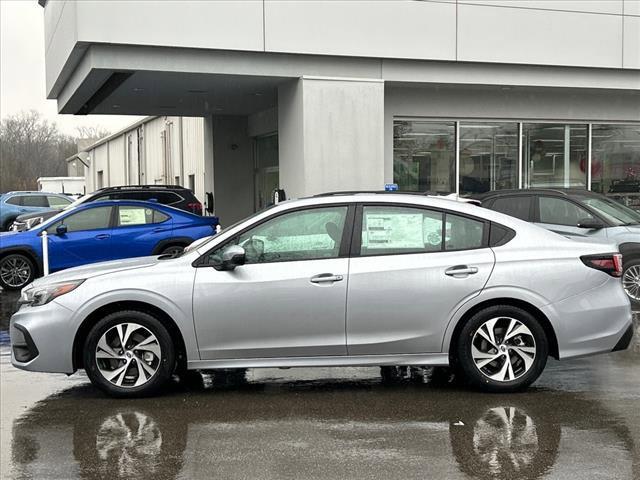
x=61, y=229
x=232, y=257
x=591, y=223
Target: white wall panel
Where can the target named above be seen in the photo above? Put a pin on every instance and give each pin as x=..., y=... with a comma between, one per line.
x=117, y=169
x=632, y=44
x=517, y=35
x=154, y=161
x=631, y=7
x=612, y=7
x=423, y=30
x=193, y=151
x=100, y=162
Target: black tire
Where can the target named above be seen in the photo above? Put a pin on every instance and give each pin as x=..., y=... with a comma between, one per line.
x=635, y=263
x=12, y=258
x=480, y=379
x=164, y=365
x=172, y=250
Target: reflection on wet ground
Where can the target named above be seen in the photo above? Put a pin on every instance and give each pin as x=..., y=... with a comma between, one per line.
x=580, y=420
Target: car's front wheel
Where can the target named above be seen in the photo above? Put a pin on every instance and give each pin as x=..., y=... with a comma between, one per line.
x=129, y=354
x=502, y=349
x=16, y=271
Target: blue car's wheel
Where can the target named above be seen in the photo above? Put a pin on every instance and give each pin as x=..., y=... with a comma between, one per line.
x=16, y=271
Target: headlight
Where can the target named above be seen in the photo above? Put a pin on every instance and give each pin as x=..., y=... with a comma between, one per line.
x=36, y=296
x=32, y=222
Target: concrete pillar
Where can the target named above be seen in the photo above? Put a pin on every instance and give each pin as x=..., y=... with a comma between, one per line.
x=330, y=135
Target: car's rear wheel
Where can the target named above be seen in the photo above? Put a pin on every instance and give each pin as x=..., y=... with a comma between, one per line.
x=631, y=280
x=129, y=354
x=16, y=271
x=502, y=349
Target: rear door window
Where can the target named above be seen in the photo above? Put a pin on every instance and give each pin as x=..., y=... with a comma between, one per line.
x=14, y=200
x=518, y=206
x=133, y=215
x=35, y=201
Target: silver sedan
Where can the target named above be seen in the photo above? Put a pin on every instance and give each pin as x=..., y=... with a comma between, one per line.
x=334, y=280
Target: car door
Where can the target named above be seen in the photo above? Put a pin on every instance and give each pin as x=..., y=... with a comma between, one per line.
x=411, y=269
x=561, y=215
x=87, y=239
x=138, y=230
x=288, y=299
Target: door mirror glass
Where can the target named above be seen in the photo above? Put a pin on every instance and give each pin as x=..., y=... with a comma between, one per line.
x=233, y=256
x=590, y=223
x=61, y=229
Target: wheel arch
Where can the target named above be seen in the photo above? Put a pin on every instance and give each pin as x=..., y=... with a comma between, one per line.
x=26, y=251
x=104, y=310
x=170, y=242
x=514, y=302
x=630, y=250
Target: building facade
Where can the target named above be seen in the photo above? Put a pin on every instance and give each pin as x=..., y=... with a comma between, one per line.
x=316, y=95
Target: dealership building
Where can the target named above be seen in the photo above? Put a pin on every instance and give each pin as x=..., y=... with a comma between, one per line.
x=446, y=96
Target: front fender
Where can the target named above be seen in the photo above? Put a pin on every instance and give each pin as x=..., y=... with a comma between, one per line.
x=182, y=317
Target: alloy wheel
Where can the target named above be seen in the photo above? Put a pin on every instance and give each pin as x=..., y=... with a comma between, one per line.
x=128, y=355
x=503, y=349
x=631, y=282
x=15, y=271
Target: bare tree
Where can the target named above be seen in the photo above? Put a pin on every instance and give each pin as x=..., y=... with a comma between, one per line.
x=92, y=132
x=31, y=147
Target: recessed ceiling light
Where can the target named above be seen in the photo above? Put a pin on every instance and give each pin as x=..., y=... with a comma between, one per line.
x=218, y=109
x=138, y=90
x=115, y=105
x=196, y=91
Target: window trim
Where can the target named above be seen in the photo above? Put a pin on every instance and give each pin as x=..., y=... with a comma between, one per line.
x=345, y=241
x=356, y=239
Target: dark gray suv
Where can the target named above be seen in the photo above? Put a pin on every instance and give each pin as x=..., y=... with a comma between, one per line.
x=579, y=215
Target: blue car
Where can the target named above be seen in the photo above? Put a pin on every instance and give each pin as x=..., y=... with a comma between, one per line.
x=13, y=204
x=97, y=232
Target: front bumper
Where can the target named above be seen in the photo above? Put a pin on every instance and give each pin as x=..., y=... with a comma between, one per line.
x=42, y=339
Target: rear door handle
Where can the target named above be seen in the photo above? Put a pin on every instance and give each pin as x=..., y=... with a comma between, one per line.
x=102, y=236
x=326, y=277
x=460, y=270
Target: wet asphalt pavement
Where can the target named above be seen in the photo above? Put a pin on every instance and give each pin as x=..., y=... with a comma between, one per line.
x=580, y=420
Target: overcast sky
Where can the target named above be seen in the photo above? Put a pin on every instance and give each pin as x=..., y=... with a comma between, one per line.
x=22, y=83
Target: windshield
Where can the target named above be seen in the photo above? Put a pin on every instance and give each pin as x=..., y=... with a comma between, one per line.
x=613, y=211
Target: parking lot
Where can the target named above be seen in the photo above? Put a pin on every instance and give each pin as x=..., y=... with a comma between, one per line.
x=580, y=420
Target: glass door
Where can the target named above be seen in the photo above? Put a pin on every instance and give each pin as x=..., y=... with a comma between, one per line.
x=267, y=177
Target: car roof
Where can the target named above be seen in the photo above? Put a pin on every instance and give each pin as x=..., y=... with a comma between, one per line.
x=33, y=192
x=567, y=192
x=140, y=187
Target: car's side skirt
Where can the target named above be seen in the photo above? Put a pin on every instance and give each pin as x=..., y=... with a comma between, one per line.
x=432, y=359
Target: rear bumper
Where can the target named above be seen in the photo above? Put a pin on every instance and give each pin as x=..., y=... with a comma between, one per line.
x=595, y=321
x=625, y=340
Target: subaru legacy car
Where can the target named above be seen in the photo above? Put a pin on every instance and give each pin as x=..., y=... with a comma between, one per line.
x=172, y=195
x=334, y=280
x=579, y=215
x=14, y=204
x=97, y=232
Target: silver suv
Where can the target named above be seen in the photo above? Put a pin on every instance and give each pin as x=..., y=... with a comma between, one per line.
x=334, y=280
x=579, y=215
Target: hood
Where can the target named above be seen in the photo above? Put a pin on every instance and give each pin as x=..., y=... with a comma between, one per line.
x=45, y=215
x=96, y=269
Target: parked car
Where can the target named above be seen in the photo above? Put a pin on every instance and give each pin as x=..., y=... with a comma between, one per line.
x=334, y=280
x=13, y=204
x=579, y=215
x=97, y=232
x=172, y=195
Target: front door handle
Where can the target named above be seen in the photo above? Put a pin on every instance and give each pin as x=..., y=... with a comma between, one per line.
x=326, y=277
x=102, y=236
x=460, y=270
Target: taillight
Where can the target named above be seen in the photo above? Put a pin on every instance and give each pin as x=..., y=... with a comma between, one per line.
x=611, y=263
x=195, y=207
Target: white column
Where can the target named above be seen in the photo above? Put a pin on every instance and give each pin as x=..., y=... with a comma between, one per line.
x=330, y=135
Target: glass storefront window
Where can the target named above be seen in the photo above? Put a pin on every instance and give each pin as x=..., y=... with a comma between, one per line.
x=424, y=156
x=488, y=157
x=554, y=155
x=615, y=162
